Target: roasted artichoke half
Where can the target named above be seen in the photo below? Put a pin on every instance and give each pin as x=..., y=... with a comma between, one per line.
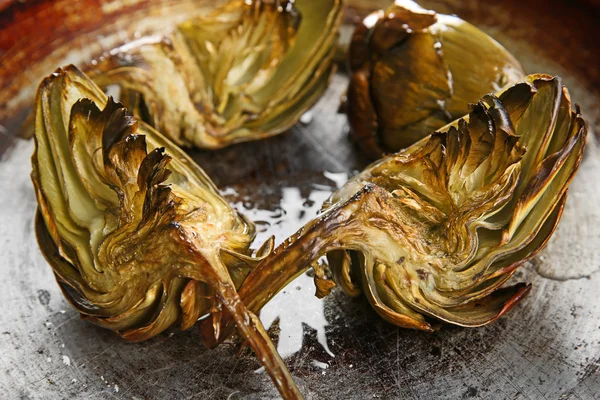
x=433, y=232
x=137, y=235
x=413, y=71
x=246, y=71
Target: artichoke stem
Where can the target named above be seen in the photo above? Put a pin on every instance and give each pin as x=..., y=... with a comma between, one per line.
x=267, y=279
x=256, y=336
x=292, y=258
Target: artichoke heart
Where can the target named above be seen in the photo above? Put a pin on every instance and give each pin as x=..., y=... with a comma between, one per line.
x=246, y=71
x=137, y=235
x=413, y=71
x=433, y=232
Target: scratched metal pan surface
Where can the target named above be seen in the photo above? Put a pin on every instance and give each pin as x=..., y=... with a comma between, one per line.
x=546, y=348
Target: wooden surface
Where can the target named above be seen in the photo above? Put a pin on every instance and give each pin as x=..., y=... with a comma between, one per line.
x=548, y=347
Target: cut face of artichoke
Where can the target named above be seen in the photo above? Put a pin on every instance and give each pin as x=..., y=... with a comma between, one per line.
x=433, y=232
x=246, y=71
x=137, y=235
x=414, y=71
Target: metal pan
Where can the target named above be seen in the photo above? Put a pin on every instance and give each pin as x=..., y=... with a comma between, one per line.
x=548, y=347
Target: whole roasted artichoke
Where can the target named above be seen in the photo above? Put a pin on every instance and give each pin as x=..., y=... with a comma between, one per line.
x=137, y=235
x=433, y=232
x=246, y=71
x=414, y=71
